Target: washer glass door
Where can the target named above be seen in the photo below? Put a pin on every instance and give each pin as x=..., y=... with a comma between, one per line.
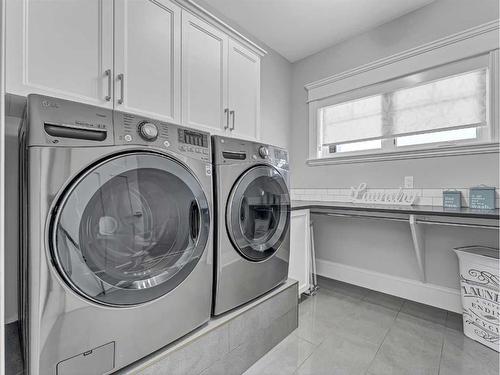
x=130, y=229
x=258, y=213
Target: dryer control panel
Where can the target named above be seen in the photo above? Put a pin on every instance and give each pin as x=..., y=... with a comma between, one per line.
x=137, y=130
x=235, y=151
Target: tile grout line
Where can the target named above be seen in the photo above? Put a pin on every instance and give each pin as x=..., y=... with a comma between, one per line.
x=305, y=359
x=385, y=336
x=306, y=340
x=442, y=343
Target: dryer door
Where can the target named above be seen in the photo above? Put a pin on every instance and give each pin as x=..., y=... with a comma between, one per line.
x=130, y=229
x=258, y=212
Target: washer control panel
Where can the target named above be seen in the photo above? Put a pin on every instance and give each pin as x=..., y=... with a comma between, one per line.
x=137, y=130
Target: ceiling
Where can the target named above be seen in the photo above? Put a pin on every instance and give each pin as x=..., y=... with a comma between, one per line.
x=299, y=28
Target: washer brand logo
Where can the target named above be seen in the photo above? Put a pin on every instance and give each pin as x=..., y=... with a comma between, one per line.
x=47, y=104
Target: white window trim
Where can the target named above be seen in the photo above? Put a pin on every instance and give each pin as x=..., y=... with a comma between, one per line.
x=447, y=56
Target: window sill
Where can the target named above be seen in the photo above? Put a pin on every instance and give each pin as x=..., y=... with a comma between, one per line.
x=485, y=148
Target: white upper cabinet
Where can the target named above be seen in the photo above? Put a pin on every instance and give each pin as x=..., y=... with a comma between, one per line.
x=204, y=74
x=147, y=58
x=153, y=58
x=244, y=91
x=60, y=48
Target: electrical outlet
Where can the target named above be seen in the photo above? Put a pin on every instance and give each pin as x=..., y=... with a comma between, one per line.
x=409, y=182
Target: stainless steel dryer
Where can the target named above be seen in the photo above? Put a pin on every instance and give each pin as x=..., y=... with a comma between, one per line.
x=253, y=219
x=117, y=236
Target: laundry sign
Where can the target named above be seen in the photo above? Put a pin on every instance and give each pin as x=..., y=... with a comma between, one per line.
x=479, y=284
x=361, y=194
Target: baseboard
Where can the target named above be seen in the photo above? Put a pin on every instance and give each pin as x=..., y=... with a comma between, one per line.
x=429, y=294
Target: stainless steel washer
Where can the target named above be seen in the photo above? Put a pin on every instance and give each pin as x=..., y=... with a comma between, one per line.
x=117, y=236
x=252, y=219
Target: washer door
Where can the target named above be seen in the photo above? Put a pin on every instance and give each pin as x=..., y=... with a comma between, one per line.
x=130, y=229
x=258, y=213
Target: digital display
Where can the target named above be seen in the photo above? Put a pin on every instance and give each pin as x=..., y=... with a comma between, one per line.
x=193, y=138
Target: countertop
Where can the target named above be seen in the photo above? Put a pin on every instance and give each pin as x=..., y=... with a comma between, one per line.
x=464, y=212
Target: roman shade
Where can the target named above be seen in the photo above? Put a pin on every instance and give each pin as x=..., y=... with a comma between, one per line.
x=454, y=102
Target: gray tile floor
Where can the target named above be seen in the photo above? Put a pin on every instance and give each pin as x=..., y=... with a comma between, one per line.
x=345, y=329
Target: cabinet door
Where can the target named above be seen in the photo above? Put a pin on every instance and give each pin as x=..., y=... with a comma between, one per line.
x=244, y=91
x=147, y=58
x=60, y=48
x=204, y=72
x=300, y=254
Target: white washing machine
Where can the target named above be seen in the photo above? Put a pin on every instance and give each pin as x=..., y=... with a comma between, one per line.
x=117, y=236
x=252, y=218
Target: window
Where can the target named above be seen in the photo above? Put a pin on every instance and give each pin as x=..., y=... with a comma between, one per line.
x=410, y=105
x=450, y=110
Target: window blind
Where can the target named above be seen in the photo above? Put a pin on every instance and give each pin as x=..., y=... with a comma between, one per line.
x=352, y=121
x=455, y=102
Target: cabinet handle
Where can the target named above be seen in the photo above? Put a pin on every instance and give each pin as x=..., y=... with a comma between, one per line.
x=226, y=113
x=121, y=78
x=108, y=74
x=231, y=113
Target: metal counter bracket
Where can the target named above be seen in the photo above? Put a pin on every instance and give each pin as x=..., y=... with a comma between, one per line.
x=417, y=236
x=416, y=228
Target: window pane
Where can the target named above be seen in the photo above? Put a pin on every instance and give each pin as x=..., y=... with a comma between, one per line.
x=444, y=136
x=358, y=146
x=448, y=103
x=354, y=120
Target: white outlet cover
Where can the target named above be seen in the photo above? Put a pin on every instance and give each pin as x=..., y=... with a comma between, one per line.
x=409, y=182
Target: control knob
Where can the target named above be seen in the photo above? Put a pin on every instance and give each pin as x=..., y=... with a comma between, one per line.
x=148, y=131
x=263, y=152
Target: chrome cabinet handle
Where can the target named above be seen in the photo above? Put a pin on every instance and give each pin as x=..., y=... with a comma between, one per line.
x=108, y=74
x=231, y=113
x=226, y=113
x=121, y=78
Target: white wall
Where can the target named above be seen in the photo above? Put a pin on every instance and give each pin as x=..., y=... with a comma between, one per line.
x=14, y=111
x=382, y=246
x=439, y=19
x=275, y=99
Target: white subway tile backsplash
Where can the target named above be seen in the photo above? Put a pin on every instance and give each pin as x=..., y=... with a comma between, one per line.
x=437, y=201
x=432, y=192
x=425, y=201
x=431, y=196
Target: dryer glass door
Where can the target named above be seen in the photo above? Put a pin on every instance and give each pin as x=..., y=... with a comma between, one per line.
x=130, y=229
x=258, y=212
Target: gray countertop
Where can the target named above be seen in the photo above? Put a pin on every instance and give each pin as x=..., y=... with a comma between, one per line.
x=410, y=210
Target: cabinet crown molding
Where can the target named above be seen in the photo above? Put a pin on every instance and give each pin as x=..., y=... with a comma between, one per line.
x=200, y=11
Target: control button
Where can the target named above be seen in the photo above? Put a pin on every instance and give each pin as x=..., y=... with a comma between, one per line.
x=191, y=149
x=166, y=143
x=128, y=137
x=263, y=152
x=197, y=150
x=148, y=131
x=205, y=152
